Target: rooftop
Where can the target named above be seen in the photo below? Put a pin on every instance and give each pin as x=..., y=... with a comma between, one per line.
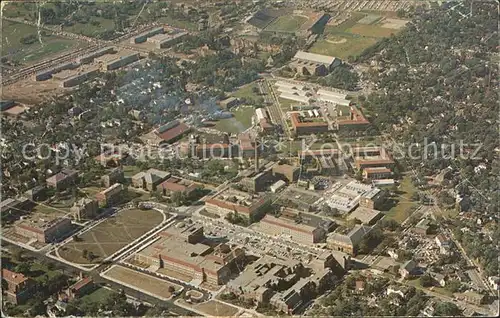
x=365, y=215
x=300, y=121
x=354, y=237
x=41, y=224
x=170, y=133
x=315, y=58
x=13, y=277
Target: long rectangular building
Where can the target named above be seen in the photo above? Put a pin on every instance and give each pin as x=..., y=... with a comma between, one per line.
x=299, y=232
x=303, y=126
x=180, y=250
x=307, y=63
x=145, y=35
x=230, y=200
x=44, y=230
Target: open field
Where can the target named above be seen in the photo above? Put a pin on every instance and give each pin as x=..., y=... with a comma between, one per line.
x=342, y=46
x=147, y=283
x=394, y=23
x=95, y=28
x=40, y=48
x=240, y=122
x=213, y=308
x=369, y=19
x=372, y=30
x=286, y=23
x=399, y=211
x=97, y=296
x=111, y=235
x=182, y=24
x=246, y=91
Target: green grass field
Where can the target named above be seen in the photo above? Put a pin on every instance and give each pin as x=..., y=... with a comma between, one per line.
x=351, y=37
x=372, y=31
x=97, y=296
x=100, y=26
x=246, y=91
x=286, y=23
x=399, y=211
x=183, y=24
x=24, y=53
x=240, y=122
x=111, y=235
x=342, y=46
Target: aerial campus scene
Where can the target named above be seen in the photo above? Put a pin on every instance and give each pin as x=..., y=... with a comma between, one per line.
x=250, y=158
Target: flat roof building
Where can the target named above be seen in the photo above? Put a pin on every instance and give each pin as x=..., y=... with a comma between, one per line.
x=348, y=243
x=307, y=63
x=45, y=230
x=365, y=215
x=180, y=249
x=230, y=200
x=172, y=131
x=299, y=232
x=150, y=179
x=302, y=125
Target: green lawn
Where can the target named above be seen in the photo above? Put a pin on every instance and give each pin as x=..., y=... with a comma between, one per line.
x=23, y=53
x=399, y=212
x=342, y=46
x=240, y=122
x=97, y=296
x=439, y=290
x=287, y=103
x=47, y=209
x=246, y=91
x=372, y=31
x=100, y=26
x=286, y=23
x=182, y=24
x=355, y=17
x=39, y=271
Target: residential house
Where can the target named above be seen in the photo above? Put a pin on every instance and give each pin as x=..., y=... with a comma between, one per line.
x=438, y=279
x=444, y=244
x=474, y=298
x=494, y=282
x=18, y=288
x=82, y=287
x=408, y=269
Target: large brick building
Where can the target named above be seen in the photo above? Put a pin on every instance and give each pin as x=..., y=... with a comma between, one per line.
x=63, y=179
x=302, y=233
x=111, y=195
x=307, y=63
x=181, y=250
x=302, y=125
x=84, y=209
x=349, y=242
x=44, y=230
x=230, y=200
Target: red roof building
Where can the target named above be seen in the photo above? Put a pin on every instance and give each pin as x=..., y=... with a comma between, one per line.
x=173, y=133
x=304, y=127
x=19, y=287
